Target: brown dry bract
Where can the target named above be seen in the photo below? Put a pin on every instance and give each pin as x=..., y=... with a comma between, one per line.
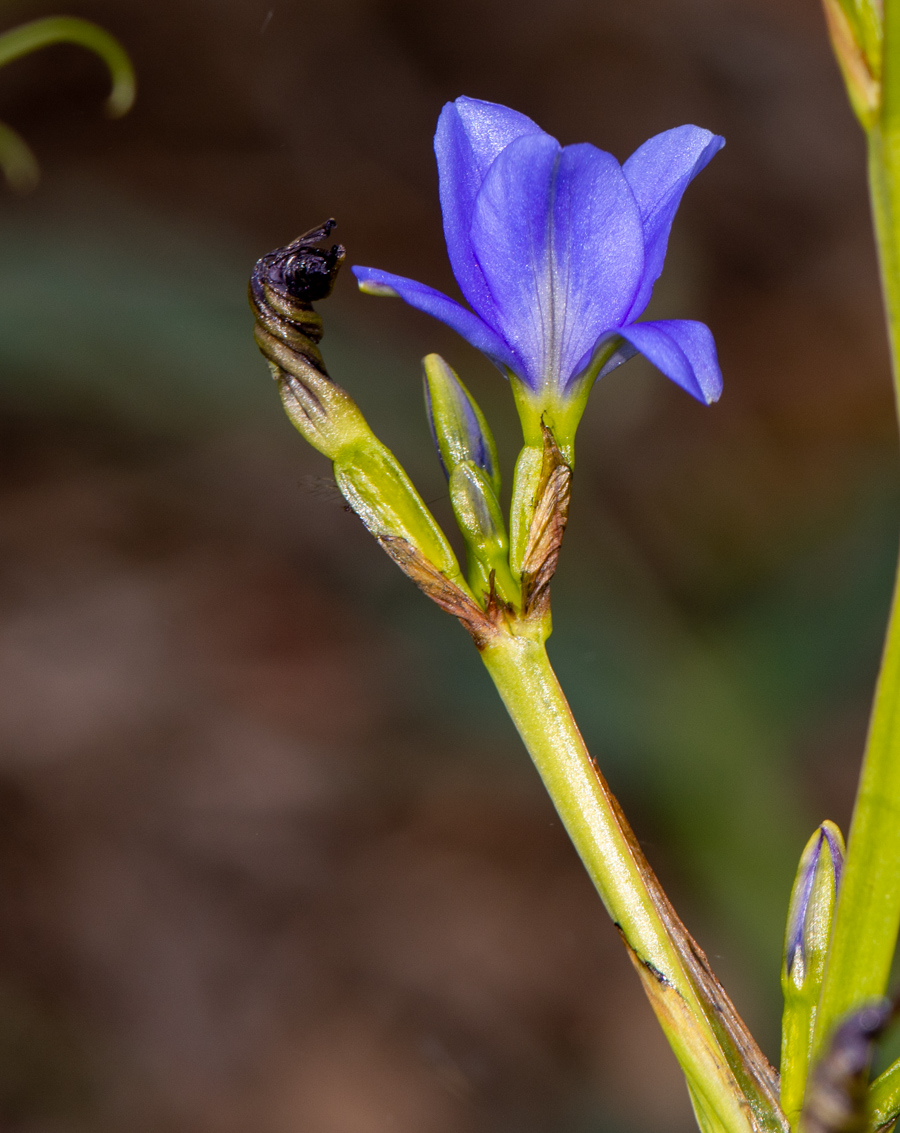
x=481, y=624
x=548, y=524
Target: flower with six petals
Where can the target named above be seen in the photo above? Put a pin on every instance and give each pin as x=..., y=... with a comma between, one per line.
x=556, y=250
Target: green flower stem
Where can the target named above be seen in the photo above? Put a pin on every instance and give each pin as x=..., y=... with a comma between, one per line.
x=868, y=911
x=521, y=670
x=69, y=29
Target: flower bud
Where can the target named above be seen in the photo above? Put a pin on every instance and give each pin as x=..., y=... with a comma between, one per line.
x=806, y=941
x=481, y=523
x=476, y=508
x=377, y=488
x=812, y=905
x=458, y=426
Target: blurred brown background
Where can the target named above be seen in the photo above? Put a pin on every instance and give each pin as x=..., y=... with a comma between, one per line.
x=271, y=856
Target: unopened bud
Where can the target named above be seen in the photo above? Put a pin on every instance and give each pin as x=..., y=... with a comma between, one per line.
x=458, y=426
x=480, y=520
x=806, y=940
x=812, y=906
x=376, y=487
x=476, y=508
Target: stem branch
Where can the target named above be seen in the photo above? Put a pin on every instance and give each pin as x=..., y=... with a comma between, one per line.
x=868, y=910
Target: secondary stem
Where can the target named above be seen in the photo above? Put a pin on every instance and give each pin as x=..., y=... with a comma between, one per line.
x=528, y=686
x=868, y=911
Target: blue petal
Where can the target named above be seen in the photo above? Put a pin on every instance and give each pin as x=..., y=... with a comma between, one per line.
x=598, y=253
x=658, y=172
x=684, y=351
x=470, y=135
x=511, y=237
x=559, y=238
x=441, y=307
x=622, y=352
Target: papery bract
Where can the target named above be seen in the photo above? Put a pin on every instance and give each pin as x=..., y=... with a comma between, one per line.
x=556, y=249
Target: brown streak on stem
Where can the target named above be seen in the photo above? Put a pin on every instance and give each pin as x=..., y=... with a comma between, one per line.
x=481, y=625
x=548, y=524
x=756, y=1076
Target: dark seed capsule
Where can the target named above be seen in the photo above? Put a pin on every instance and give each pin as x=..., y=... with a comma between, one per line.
x=309, y=274
x=284, y=285
x=303, y=270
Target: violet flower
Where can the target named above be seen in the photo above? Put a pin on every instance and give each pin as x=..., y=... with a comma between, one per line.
x=556, y=249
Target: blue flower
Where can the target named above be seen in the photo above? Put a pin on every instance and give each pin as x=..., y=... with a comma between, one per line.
x=556, y=249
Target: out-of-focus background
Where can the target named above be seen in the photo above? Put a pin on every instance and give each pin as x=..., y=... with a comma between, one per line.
x=272, y=859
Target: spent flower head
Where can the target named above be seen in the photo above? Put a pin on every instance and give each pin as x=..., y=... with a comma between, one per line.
x=556, y=250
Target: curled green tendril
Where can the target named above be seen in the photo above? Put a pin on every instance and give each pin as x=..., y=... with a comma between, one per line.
x=17, y=161
x=19, y=165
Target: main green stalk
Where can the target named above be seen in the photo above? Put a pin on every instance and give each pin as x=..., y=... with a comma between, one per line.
x=868, y=911
x=528, y=686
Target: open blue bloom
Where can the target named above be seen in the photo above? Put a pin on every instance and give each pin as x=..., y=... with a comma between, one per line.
x=557, y=248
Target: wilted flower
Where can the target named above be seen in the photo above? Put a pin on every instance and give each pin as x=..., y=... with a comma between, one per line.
x=556, y=249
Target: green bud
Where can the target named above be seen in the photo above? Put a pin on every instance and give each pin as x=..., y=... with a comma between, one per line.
x=480, y=520
x=376, y=487
x=807, y=936
x=458, y=427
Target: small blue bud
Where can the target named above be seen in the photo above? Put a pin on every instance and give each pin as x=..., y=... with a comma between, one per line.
x=458, y=426
x=812, y=904
x=806, y=941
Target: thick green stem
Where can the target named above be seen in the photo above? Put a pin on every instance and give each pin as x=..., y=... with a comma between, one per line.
x=868, y=911
x=528, y=686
